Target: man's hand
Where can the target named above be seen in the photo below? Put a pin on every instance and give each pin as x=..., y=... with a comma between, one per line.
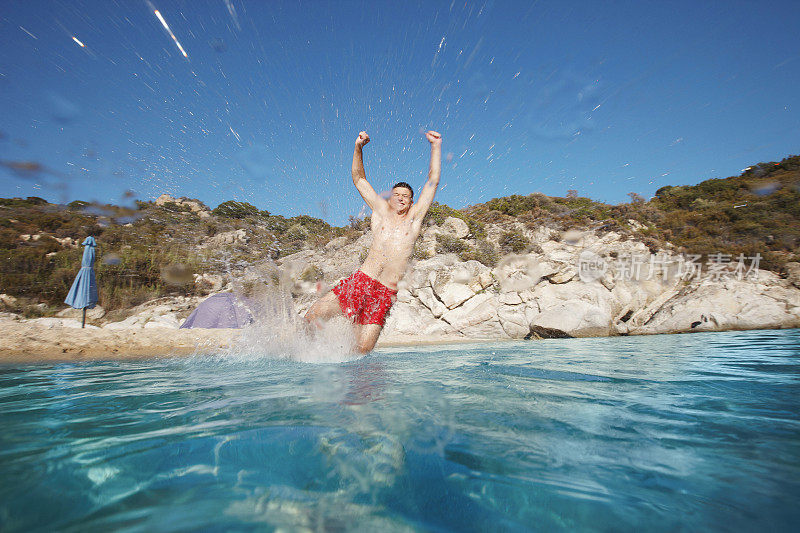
x=434, y=138
x=363, y=139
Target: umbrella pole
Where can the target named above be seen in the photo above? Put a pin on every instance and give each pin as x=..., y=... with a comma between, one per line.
x=83, y=322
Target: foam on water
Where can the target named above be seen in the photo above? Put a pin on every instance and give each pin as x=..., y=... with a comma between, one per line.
x=279, y=332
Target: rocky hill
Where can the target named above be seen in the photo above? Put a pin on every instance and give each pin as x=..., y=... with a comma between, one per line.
x=718, y=255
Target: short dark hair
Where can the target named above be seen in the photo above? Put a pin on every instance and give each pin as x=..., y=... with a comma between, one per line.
x=405, y=185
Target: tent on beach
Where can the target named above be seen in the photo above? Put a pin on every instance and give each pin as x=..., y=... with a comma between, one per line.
x=223, y=310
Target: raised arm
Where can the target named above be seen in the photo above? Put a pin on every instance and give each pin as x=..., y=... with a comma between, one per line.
x=435, y=170
x=360, y=176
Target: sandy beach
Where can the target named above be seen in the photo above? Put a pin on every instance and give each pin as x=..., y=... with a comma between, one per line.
x=31, y=342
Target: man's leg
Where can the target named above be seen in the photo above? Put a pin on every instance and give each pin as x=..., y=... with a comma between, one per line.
x=366, y=337
x=325, y=308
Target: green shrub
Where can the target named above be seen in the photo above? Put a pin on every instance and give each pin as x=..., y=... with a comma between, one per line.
x=446, y=244
x=420, y=253
x=30, y=201
x=210, y=228
x=233, y=209
x=314, y=225
x=483, y=252
x=172, y=207
x=515, y=204
x=276, y=223
x=513, y=242
x=77, y=205
x=9, y=239
x=296, y=232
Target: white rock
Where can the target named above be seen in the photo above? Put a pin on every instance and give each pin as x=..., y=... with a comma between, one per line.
x=51, y=323
x=793, y=273
x=77, y=324
x=336, y=243
x=512, y=313
x=517, y=273
x=454, y=294
x=568, y=273
x=514, y=330
x=168, y=320
x=194, y=205
x=527, y=295
x=532, y=310
x=210, y=282
x=7, y=299
x=161, y=324
x=559, y=252
x=238, y=236
x=488, y=329
x=709, y=306
x=404, y=295
x=577, y=319
x=512, y=319
x=450, y=292
x=132, y=322
x=429, y=300
x=410, y=318
x=510, y=298
x=91, y=314
x=67, y=241
x=479, y=308
x=455, y=227
x=485, y=278
x=636, y=226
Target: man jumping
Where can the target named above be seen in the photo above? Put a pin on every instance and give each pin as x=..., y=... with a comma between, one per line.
x=366, y=296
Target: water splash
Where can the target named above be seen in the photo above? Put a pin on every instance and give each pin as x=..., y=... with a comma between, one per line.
x=280, y=332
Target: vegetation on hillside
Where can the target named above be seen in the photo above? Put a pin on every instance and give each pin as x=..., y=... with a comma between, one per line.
x=136, y=248
x=756, y=212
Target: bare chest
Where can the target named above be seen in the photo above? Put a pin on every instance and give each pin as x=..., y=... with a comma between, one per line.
x=399, y=232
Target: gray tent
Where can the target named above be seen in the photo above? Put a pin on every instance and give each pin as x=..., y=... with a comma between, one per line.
x=223, y=310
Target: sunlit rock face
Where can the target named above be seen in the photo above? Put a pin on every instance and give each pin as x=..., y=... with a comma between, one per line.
x=238, y=236
x=195, y=206
x=793, y=273
x=455, y=227
x=547, y=293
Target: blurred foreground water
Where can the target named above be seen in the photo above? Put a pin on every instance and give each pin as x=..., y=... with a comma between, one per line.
x=691, y=432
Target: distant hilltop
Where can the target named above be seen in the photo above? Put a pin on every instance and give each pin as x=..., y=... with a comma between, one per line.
x=179, y=246
x=195, y=206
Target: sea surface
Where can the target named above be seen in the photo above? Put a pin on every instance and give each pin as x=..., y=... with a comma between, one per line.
x=682, y=432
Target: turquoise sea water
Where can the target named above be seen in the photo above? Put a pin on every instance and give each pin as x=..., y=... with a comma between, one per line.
x=683, y=432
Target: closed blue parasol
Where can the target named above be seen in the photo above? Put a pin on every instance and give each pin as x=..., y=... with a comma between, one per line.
x=83, y=293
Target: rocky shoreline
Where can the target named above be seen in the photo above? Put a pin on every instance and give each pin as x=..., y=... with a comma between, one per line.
x=572, y=284
x=576, y=284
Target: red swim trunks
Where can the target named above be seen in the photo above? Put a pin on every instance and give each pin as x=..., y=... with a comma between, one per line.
x=364, y=299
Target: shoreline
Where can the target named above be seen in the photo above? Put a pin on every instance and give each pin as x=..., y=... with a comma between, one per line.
x=29, y=343
x=26, y=343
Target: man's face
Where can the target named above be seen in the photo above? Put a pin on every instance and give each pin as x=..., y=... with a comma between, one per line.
x=400, y=200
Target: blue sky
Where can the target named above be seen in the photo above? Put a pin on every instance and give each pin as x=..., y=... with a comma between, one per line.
x=603, y=97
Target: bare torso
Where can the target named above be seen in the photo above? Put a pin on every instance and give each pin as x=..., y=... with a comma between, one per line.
x=393, y=238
